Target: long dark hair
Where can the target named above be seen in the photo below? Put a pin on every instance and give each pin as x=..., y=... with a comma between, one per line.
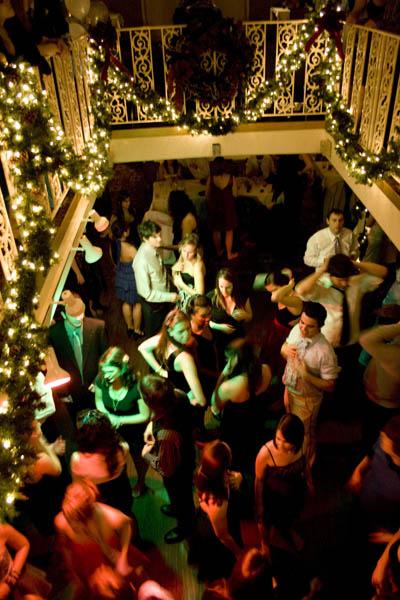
x=211, y=475
x=217, y=298
x=119, y=212
x=158, y=394
x=172, y=318
x=247, y=362
x=95, y=434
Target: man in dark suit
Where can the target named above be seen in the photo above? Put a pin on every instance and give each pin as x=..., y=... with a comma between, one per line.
x=78, y=342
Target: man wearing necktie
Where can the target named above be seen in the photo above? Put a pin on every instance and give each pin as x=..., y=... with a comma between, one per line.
x=78, y=342
x=334, y=239
x=152, y=279
x=311, y=370
x=340, y=285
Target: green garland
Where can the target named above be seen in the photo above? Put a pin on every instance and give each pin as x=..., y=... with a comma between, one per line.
x=38, y=148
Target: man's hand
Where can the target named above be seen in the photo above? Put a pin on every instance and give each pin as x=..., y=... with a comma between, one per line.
x=291, y=351
x=302, y=369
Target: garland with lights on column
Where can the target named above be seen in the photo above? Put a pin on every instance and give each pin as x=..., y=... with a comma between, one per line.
x=37, y=147
x=363, y=165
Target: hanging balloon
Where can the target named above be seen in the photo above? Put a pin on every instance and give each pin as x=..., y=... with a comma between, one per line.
x=76, y=30
x=78, y=8
x=98, y=12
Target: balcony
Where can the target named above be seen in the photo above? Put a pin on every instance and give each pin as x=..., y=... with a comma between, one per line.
x=292, y=123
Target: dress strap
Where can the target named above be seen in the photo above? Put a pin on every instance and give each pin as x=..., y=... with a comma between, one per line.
x=271, y=455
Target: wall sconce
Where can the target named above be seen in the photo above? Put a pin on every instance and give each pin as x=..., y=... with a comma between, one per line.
x=92, y=253
x=100, y=223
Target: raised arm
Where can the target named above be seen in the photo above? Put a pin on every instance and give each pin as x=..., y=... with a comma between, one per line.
x=380, y=572
x=307, y=285
x=372, y=269
x=146, y=349
x=284, y=295
x=375, y=342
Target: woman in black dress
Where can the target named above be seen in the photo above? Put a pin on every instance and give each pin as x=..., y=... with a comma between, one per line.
x=183, y=213
x=229, y=311
x=199, y=313
x=189, y=270
x=169, y=450
x=221, y=193
x=237, y=403
x=101, y=457
x=218, y=528
x=281, y=484
x=287, y=310
x=117, y=396
x=170, y=354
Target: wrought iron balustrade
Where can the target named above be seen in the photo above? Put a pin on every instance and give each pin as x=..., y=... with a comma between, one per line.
x=369, y=86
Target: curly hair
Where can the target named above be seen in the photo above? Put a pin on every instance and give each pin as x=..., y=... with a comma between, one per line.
x=95, y=434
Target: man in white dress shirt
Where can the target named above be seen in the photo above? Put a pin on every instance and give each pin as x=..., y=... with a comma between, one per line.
x=339, y=285
x=334, y=239
x=152, y=281
x=311, y=370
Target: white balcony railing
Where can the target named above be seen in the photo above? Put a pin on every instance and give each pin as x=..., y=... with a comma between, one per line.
x=370, y=78
x=370, y=85
x=144, y=53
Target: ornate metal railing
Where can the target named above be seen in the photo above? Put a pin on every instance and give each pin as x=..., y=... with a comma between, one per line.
x=144, y=53
x=371, y=85
x=370, y=79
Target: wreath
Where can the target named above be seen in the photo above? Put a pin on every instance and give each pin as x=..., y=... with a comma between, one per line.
x=191, y=70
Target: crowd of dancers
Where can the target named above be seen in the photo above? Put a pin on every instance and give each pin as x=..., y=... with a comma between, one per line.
x=202, y=417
